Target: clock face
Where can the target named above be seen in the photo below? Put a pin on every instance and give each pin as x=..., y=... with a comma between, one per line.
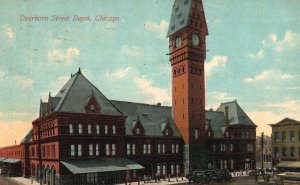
x=195, y=39
x=178, y=41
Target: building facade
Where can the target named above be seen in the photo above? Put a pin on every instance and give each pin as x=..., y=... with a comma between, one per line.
x=266, y=155
x=286, y=144
x=82, y=137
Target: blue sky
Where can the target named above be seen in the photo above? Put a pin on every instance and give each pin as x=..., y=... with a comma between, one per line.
x=253, y=55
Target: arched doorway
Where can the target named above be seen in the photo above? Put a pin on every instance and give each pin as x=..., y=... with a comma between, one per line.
x=52, y=175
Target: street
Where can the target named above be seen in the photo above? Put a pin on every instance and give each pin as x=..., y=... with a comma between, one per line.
x=6, y=181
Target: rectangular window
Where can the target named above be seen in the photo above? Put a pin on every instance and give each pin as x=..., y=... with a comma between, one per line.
x=97, y=149
x=158, y=169
x=283, y=136
x=128, y=149
x=292, y=136
x=221, y=164
x=172, y=169
x=177, y=168
x=232, y=164
x=231, y=147
x=71, y=131
x=106, y=129
x=225, y=164
x=177, y=148
x=90, y=149
x=164, y=169
x=79, y=151
x=276, y=152
x=163, y=148
x=113, y=149
x=72, y=150
x=158, y=149
x=133, y=149
x=173, y=148
x=276, y=136
x=107, y=152
x=292, y=152
x=80, y=128
x=114, y=129
x=144, y=149
x=89, y=129
x=149, y=148
x=283, y=151
x=98, y=129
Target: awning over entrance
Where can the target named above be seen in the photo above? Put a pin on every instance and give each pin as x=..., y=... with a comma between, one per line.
x=9, y=160
x=79, y=166
x=289, y=164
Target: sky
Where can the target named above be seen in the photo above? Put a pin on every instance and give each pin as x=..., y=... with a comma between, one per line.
x=253, y=55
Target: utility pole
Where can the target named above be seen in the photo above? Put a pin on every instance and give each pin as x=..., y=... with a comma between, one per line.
x=262, y=150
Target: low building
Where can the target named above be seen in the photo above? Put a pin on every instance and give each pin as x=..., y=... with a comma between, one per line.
x=266, y=155
x=286, y=144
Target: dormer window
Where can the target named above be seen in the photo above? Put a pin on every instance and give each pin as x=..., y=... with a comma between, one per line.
x=227, y=134
x=208, y=134
x=167, y=132
x=138, y=131
x=92, y=108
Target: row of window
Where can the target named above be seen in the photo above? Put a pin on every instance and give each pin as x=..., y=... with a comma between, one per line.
x=93, y=150
x=227, y=164
x=90, y=130
x=249, y=147
x=161, y=169
x=284, y=151
x=283, y=136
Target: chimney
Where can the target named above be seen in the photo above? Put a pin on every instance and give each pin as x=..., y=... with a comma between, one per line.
x=226, y=113
x=158, y=104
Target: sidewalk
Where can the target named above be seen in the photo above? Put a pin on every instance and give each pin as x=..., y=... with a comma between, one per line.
x=24, y=181
x=161, y=182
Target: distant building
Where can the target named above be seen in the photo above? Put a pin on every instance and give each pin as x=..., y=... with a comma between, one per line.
x=286, y=145
x=267, y=152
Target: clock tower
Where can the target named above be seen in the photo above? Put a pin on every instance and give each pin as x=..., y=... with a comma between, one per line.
x=187, y=32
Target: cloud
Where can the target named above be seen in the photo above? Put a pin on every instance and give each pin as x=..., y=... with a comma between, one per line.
x=272, y=88
x=131, y=51
x=9, y=33
x=23, y=81
x=119, y=73
x=2, y=75
x=269, y=75
x=160, y=28
x=215, y=62
x=56, y=85
x=290, y=40
x=259, y=55
x=222, y=96
x=60, y=56
x=292, y=106
x=152, y=94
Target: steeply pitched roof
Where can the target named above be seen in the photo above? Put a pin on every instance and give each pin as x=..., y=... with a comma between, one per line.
x=28, y=137
x=152, y=117
x=217, y=121
x=74, y=96
x=181, y=14
x=236, y=115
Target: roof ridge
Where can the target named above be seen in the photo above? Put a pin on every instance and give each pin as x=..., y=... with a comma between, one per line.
x=163, y=106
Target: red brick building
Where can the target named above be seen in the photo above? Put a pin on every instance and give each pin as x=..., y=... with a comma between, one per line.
x=81, y=137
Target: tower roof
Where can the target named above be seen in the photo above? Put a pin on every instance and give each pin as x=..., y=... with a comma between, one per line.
x=74, y=96
x=181, y=15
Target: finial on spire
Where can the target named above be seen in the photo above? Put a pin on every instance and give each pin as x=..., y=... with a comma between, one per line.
x=79, y=70
x=71, y=75
x=49, y=94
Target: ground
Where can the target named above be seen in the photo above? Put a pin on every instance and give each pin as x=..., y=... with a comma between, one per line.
x=6, y=181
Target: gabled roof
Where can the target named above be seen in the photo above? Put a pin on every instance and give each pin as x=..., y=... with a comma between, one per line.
x=152, y=117
x=236, y=115
x=285, y=121
x=181, y=14
x=74, y=96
